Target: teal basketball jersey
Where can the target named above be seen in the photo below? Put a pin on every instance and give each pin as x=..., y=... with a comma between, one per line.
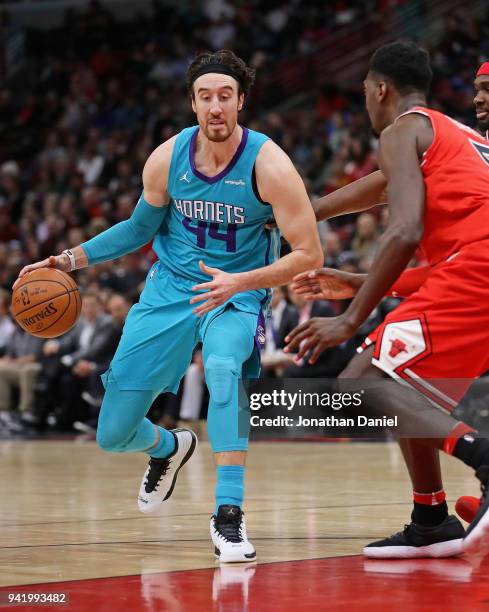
x=218, y=219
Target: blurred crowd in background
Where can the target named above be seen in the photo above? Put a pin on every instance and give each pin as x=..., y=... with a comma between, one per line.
x=97, y=95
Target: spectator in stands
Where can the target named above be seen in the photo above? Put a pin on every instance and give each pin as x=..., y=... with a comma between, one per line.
x=7, y=326
x=193, y=390
x=364, y=241
x=19, y=369
x=332, y=360
x=117, y=307
x=332, y=249
x=129, y=275
x=273, y=358
x=361, y=160
x=73, y=359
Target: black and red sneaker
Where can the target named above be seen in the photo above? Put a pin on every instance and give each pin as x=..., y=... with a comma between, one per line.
x=443, y=540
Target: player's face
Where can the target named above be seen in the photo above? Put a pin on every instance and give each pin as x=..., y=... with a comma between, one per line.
x=481, y=101
x=216, y=103
x=375, y=91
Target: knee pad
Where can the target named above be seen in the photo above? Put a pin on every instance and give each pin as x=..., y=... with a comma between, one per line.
x=109, y=441
x=221, y=374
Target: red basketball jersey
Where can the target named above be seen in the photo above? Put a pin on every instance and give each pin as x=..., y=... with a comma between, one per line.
x=456, y=175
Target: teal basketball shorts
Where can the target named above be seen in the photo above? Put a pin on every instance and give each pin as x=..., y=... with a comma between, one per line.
x=161, y=332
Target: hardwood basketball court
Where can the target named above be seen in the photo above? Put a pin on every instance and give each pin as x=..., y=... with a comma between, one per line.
x=70, y=523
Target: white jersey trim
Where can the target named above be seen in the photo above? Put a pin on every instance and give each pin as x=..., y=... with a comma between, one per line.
x=420, y=111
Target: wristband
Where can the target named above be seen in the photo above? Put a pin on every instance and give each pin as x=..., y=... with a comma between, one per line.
x=71, y=257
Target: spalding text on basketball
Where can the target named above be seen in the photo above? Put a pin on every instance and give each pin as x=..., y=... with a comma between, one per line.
x=42, y=314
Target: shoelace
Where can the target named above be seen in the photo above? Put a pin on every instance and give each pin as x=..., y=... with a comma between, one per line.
x=229, y=527
x=400, y=533
x=157, y=469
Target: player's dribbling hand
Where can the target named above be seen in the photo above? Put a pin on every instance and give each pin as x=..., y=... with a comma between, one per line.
x=317, y=335
x=327, y=284
x=217, y=291
x=60, y=262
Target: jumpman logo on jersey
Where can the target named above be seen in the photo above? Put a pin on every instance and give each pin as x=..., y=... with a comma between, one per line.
x=184, y=177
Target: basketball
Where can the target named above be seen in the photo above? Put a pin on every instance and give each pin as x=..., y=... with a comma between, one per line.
x=46, y=303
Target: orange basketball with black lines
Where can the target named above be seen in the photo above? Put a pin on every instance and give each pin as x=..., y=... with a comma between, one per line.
x=46, y=303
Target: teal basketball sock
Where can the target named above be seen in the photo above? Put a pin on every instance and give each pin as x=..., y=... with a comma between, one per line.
x=229, y=485
x=165, y=446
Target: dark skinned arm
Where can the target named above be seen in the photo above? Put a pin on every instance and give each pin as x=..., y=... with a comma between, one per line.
x=332, y=284
x=399, y=162
x=360, y=195
x=401, y=146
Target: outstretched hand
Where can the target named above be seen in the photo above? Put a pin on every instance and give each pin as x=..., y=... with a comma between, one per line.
x=317, y=335
x=327, y=284
x=60, y=262
x=217, y=291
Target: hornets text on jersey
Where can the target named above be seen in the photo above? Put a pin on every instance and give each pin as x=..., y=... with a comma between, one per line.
x=218, y=219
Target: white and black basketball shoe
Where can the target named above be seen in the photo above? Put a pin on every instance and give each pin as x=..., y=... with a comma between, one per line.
x=477, y=538
x=161, y=475
x=415, y=541
x=228, y=533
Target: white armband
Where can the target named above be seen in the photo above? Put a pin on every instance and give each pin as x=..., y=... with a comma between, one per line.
x=72, y=259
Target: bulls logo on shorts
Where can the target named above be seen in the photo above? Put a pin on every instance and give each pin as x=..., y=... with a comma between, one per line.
x=397, y=346
x=401, y=343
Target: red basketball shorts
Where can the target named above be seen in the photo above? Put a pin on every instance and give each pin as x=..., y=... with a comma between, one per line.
x=437, y=340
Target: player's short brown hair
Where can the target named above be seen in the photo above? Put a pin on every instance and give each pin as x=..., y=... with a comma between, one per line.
x=231, y=64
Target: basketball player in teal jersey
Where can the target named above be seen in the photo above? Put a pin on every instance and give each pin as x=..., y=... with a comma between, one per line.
x=207, y=194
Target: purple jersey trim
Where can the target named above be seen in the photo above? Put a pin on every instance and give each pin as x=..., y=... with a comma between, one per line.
x=260, y=331
x=227, y=169
x=261, y=324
